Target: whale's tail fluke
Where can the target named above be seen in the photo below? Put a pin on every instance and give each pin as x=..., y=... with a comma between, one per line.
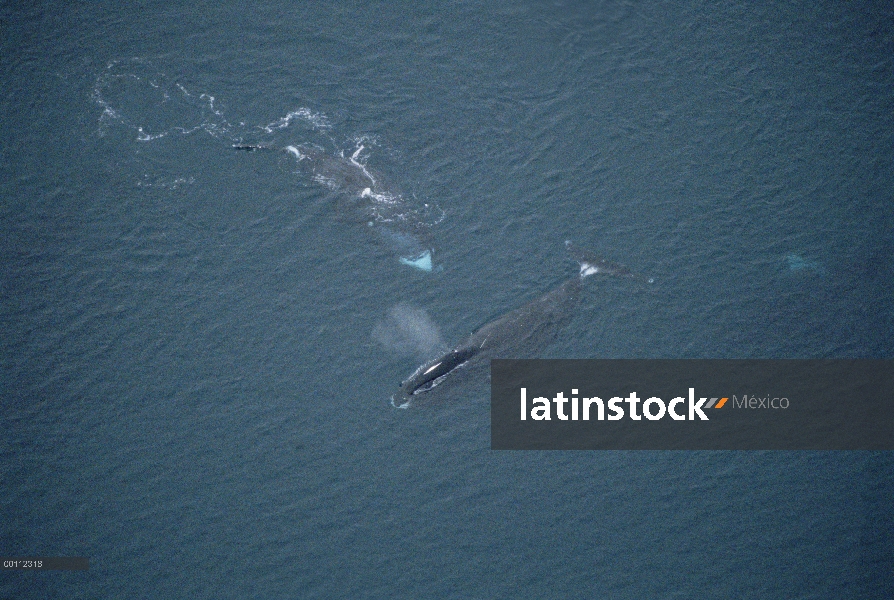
x=591, y=264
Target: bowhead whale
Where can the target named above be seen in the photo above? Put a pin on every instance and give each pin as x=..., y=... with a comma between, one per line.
x=362, y=194
x=520, y=333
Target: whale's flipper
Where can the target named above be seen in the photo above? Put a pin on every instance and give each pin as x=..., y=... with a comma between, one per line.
x=410, y=249
x=591, y=264
x=421, y=262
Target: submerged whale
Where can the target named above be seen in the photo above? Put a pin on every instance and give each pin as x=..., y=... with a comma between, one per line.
x=520, y=333
x=362, y=195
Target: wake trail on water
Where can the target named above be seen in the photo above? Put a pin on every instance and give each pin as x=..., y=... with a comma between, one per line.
x=137, y=97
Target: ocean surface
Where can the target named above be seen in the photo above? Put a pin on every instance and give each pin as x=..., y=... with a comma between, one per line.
x=199, y=345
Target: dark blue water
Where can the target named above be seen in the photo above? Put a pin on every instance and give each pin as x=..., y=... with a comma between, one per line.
x=193, y=394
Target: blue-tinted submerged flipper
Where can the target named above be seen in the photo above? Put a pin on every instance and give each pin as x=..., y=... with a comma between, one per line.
x=409, y=248
x=421, y=262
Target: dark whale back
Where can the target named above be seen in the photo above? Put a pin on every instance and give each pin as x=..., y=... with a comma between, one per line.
x=428, y=375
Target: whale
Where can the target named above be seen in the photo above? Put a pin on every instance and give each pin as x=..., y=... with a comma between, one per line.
x=335, y=172
x=362, y=194
x=520, y=333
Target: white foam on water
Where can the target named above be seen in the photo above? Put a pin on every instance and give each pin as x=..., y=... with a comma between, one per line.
x=404, y=406
x=317, y=120
x=133, y=94
x=586, y=269
x=360, y=165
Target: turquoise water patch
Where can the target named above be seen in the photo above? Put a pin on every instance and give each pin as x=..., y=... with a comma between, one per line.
x=795, y=263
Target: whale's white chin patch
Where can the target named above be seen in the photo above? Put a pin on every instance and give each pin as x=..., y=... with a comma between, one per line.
x=421, y=262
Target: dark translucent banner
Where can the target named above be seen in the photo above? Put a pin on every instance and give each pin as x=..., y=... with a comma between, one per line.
x=692, y=404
